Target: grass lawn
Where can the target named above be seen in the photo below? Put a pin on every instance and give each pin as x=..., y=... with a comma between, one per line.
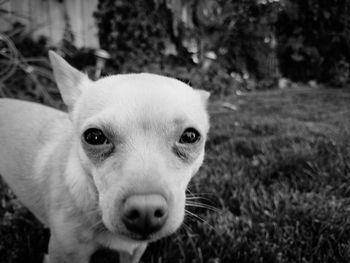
x=277, y=171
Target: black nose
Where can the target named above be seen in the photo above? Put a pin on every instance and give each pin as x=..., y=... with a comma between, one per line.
x=145, y=214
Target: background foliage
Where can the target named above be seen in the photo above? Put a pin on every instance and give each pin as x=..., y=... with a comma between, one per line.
x=301, y=40
x=314, y=40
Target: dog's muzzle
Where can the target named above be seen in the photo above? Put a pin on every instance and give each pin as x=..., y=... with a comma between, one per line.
x=144, y=215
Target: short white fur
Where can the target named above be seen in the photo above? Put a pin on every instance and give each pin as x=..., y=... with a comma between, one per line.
x=43, y=160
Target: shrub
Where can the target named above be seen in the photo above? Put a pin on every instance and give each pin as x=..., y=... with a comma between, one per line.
x=313, y=40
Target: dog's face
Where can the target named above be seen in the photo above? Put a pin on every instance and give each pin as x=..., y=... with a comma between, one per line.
x=141, y=138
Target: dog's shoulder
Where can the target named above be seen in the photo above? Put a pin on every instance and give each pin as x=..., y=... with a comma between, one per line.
x=26, y=116
x=12, y=106
x=27, y=127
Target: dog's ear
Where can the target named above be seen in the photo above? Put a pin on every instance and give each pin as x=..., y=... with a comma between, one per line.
x=204, y=95
x=69, y=80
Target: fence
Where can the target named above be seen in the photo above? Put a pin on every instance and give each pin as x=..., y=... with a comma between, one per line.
x=50, y=18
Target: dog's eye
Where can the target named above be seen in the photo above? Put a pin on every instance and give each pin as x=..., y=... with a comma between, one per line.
x=95, y=136
x=190, y=135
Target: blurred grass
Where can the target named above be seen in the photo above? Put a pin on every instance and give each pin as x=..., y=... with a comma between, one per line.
x=277, y=168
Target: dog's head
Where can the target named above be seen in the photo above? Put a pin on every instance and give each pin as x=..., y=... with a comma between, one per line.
x=141, y=137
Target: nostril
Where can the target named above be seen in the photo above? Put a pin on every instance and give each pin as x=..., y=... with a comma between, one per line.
x=133, y=215
x=158, y=213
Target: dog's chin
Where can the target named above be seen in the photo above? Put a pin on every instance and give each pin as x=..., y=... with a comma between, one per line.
x=139, y=237
x=149, y=238
x=143, y=237
x=130, y=236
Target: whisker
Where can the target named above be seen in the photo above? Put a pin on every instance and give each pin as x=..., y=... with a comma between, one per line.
x=199, y=193
x=195, y=216
x=97, y=223
x=196, y=184
x=187, y=228
x=98, y=226
x=197, y=201
x=202, y=220
x=201, y=205
x=198, y=198
x=92, y=212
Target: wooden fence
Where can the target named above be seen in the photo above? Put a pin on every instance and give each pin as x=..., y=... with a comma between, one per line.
x=50, y=18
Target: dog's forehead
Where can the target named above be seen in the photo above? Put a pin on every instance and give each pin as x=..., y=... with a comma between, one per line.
x=143, y=96
x=140, y=87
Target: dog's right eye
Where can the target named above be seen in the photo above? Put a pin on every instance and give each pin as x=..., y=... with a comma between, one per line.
x=95, y=136
x=190, y=136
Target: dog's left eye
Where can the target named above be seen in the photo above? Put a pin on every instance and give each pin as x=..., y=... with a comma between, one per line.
x=189, y=136
x=95, y=136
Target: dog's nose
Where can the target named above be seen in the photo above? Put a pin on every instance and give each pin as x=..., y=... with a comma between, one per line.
x=145, y=214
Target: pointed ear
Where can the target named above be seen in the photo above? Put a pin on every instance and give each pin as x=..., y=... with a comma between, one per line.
x=204, y=95
x=69, y=80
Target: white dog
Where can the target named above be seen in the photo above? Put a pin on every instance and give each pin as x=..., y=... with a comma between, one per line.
x=113, y=171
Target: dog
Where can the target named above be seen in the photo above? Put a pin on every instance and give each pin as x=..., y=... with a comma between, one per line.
x=113, y=170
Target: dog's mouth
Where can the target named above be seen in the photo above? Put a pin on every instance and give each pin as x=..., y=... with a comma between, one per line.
x=144, y=237
x=128, y=234
x=140, y=237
